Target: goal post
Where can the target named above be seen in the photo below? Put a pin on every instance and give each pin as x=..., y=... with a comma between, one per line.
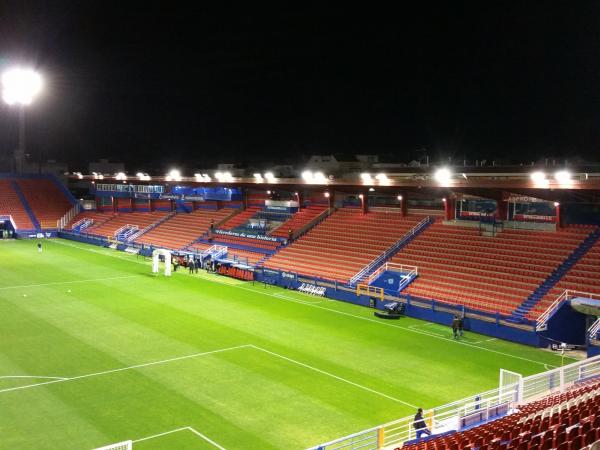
x=125, y=445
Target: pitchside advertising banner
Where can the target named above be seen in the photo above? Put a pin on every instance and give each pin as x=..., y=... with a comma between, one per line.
x=258, y=237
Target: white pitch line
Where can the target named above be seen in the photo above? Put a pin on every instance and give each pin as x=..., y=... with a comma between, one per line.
x=340, y=312
x=329, y=374
x=32, y=376
x=400, y=327
x=68, y=282
x=137, y=366
x=191, y=429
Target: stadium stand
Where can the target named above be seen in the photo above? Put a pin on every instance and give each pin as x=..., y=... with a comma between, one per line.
x=10, y=204
x=245, y=256
x=141, y=220
x=241, y=218
x=566, y=421
x=299, y=220
x=582, y=277
x=343, y=243
x=183, y=228
x=98, y=218
x=46, y=199
x=494, y=274
x=245, y=242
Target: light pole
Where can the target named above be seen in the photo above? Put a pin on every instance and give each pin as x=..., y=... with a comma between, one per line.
x=19, y=87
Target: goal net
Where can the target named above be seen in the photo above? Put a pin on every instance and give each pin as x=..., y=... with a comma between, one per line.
x=125, y=445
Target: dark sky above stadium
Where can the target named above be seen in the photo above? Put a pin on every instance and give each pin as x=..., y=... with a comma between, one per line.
x=164, y=82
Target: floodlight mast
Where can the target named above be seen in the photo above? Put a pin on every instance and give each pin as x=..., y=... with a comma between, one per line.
x=19, y=87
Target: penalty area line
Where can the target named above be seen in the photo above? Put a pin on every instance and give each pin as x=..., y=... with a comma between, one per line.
x=121, y=369
x=177, y=430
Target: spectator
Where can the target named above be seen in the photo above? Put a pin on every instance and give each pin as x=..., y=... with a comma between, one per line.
x=419, y=424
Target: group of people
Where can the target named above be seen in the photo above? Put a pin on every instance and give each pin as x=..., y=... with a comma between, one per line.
x=194, y=264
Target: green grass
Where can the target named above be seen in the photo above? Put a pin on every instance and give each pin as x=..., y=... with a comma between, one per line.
x=303, y=371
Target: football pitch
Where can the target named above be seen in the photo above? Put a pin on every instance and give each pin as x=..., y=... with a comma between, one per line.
x=94, y=349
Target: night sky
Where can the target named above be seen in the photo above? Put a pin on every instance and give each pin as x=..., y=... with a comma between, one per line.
x=158, y=83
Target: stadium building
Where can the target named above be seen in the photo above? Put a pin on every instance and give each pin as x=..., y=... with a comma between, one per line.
x=513, y=253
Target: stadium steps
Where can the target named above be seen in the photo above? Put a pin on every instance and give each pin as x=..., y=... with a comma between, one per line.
x=11, y=205
x=183, y=229
x=494, y=274
x=299, y=220
x=26, y=205
x=46, y=200
x=554, y=278
x=343, y=243
x=392, y=251
x=240, y=218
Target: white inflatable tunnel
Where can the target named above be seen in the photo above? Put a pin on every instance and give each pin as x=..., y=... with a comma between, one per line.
x=155, y=260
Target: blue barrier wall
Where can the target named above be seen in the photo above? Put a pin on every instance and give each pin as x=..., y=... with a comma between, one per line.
x=566, y=325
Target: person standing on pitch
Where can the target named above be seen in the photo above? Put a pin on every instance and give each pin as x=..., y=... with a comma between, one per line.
x=419, y=424
x=455, y=326
x=460, y=325
x=39, y=246
x=191, y=265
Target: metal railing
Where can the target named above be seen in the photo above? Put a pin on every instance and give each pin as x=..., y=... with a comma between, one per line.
x=448, y=417
x=315, y=221
x=594, y=330
x=542, y=320
x=390, y=250
x=68, y=216
x=409, y=271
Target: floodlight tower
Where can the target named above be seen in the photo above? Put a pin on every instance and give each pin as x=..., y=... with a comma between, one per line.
x=20, y=86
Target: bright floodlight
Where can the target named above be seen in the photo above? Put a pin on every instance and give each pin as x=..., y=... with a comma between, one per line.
x=174, y=175
x=443, y=175
x=269, y=176
x=399, y=197
x=319, y=177
x=307, y=175
x=20, y=86
x=563, y=176
x=258, y=177
x=366, y=178
x=327, y=194
x=538, y=177
x=120, y=176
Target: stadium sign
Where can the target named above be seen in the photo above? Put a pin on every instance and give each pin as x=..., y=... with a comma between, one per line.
x=292, y=276
x=193, y=198
x=258, y=237
x=170, y=197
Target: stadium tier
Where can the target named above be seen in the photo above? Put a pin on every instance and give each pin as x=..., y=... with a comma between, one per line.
x=11, y=205
x=46, y=199
x=109, y=227
x=343, y=244
x=565, y=421
x=495, y=274
x=244, y=256
x=241, y=218
x=96, y=218
x=183, y=228
x=247, y=242
x=582, y=277
x=299, y=220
